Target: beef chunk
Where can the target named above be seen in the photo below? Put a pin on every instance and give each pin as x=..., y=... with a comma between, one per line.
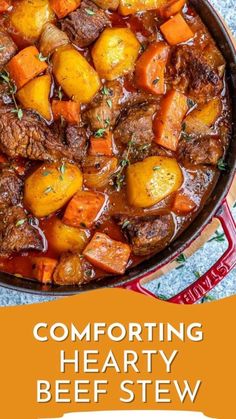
x=207, y=150
x=136, y=125
x=5, y=98
x=16, y=232
x=10, y=187
x=192, y=74
x=105, y=107
x=76, y=139
x=84, y=25
x=147, y=234
x=7, y=50
x=29, y=137
x=73, y=269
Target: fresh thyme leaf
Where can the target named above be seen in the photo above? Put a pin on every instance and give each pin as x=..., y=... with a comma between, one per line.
x=109, y=103
x=190, y=103
x=156, y=81
x=62, y=168
x=197, y=274
x=20, y=222
x=41, y=57
x=222, y=165
x=99, y=133
x=105, y=91
x=207, y=298
x=46, y=172
x=107, y=122
x=156, y=167
x=60, y=93
x=90, y=12
x=88, y=273
x=18, y=112
x=162, y=297
x=125, y=224
x=48, y=190
x=181, y=258
x=99, y=118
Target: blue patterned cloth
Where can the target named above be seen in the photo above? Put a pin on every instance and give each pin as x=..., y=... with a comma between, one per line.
x=200, y=262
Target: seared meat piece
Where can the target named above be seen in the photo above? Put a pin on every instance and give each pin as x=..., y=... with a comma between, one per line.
x=5, y=97
x=16, y=232
x=147, y=234
x=84, y=25
x=105, y=107
x=206, y=150
x=76, y=140
x=29, y=137
x=136, y=125
x=10, y=187
x=73, y=269
x=8, y=48
x=192, y=74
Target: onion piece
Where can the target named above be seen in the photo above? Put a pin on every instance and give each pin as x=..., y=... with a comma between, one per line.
x=98, y=171
x=52, y=38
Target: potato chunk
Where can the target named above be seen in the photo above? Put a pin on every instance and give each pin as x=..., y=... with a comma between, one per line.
x=201, y=119
x=115, y=52
x=64, y=238
x=35, y=95
x=29, y=16
x=128, y=7
x=76, y=76
x=151, y=180
x=50, y=187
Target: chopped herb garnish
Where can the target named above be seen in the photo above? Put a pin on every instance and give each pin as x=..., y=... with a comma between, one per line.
x=222, y=165
x=107, y=122
x=62, y=168
x=99, y=118
x=197, y=274
x=219, y=237
x=190, y=103
x=162, y=297
x=207, y=298
x=60, y=93
x=5, y=76
x=90, y=12
x=109, y=103
x=41, y=57
x=156, y=80
x=20, y=222
x=125, y=224
x=88, y=273
x=99, y=133
x=105, y=91
x=46, y=172
x=19, y=113
x=156, y=167
x=119, y=177
x=181, y=259
x=48, y=190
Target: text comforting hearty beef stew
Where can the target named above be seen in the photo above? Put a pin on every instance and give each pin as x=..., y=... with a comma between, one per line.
x=114, y=123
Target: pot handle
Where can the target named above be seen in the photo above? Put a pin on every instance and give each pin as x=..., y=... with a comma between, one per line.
x=214, y=275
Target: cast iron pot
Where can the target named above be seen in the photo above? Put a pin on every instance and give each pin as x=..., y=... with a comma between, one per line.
x=216, y=206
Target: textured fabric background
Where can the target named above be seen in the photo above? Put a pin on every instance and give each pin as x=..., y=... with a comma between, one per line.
x=178, y=279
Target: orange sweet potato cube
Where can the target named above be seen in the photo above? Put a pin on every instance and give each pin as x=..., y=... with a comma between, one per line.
x=83, y=209
x=43, y=268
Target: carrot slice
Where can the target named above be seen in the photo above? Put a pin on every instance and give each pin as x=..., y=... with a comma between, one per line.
x=68, y=110
x=83, y=209
x=171, y=8
x=64, y=7
x=107, y=254
x=43, y=269
x=168, y=122
x=150, y=68
x=4, y=6
x=25, y=66
x=183, y=204
x=101, y=146
x=176, y=30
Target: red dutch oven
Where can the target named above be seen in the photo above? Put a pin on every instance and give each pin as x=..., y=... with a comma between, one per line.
x=216, y=206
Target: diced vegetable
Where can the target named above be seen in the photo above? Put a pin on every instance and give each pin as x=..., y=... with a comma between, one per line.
x=107, y=254
x=84, y=209
x=50, y=187
x=4, y=5
x=202, y=118
x=29, y=16
x=183, y=204
x=98, y=171
x=151, y=180
x=150, y=68
x=43, y=268
x=69, y=270
x=115, y=52
x=107, y=4
x=68, y=110
x=168, y=121
x=128, y=7
x=63, y=238
x=171, y=8
x=176, y=30
x=101, y=146
x=26, y=65
x=35, y=95
x=63, y=7
x=52, y=38
x=75, y=75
